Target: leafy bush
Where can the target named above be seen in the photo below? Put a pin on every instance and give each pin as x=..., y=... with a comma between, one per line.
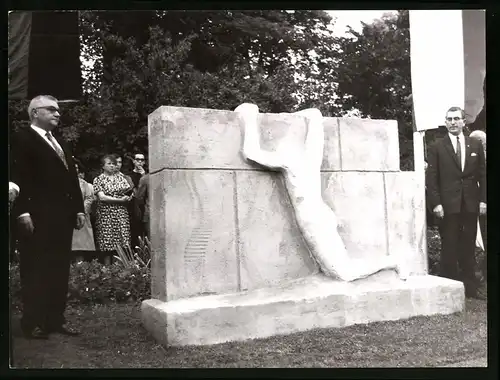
x=139, y=257
x=94, y=283
x=433, y=250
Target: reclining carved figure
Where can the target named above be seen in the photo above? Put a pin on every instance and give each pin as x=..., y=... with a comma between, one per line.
x=316, y=220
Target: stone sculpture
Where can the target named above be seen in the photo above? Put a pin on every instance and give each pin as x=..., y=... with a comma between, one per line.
x=242, y=252
x=316, y=220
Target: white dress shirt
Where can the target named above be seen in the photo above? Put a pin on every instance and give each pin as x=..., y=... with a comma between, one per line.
x=453, y=139
x=43, y=133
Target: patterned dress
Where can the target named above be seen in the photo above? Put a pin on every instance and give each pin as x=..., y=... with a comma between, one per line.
x=112, y=219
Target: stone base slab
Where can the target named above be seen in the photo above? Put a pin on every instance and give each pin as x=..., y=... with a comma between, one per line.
x=311, y=302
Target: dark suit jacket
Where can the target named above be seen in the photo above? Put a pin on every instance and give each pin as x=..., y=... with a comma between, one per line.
x=142, y=198
x=49, y=191
x=446, y=183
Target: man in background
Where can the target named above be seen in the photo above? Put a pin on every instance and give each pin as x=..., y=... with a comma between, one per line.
x=136, y=225
x=139, y=161
x=142, y=198
x=456, y=182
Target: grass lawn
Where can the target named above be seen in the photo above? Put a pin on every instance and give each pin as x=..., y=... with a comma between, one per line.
x=113, y=337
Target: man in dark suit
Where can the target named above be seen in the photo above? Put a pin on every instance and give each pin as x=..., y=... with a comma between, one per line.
x=456, y=181
x=48, y=208
x=136, y=223
x=142, y=199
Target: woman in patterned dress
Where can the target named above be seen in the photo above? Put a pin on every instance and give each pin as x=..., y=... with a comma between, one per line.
x=112, y=218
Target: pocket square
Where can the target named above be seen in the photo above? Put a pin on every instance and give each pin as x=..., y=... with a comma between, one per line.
x=473, y=154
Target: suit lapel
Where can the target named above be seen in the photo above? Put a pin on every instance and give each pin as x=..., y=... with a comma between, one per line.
x=45, y=146
x=449, y=147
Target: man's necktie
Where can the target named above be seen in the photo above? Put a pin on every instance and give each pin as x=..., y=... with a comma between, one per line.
x=58, y=150
x=459, y=153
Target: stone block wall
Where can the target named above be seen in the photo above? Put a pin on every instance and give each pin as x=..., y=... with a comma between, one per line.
x=222, y=225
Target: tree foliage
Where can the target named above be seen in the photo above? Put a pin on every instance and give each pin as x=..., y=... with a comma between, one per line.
x=191, y=59
x=281, y=60
x=374, y=75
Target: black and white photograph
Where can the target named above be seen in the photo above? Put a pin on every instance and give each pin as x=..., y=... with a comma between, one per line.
x=247, y=189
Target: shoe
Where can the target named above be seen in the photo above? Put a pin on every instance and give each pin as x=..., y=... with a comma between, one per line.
x=65, y=329
x=35, y=333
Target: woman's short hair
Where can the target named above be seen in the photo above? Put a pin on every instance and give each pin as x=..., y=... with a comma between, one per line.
x=110, y=157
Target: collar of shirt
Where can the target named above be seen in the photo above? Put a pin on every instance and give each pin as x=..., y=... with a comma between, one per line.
x=453, y=139
x=40, y=131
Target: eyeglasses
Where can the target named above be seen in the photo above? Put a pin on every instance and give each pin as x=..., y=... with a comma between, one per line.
x=456, y=118
x=140, y=159
x=50, y=109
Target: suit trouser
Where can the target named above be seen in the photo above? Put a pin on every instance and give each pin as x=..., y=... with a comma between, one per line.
x=45, y=258
x=145, y=227
x=458, y=239
x=136, y=226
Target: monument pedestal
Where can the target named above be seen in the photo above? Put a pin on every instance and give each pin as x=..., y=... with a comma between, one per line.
x=311, y=302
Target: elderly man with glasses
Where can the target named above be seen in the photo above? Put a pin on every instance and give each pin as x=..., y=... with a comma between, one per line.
x=47, y=210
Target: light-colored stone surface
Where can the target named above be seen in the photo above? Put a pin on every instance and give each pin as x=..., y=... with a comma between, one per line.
x=191, y=138
x=197, y=138
x=312, y=302
x=220, y=225
x=406, y=219
x=369, y=145
x=357, y=200
x=331, y=151
x=199, y=232
x=187, y=138
x=271, y=247
x=157, y=221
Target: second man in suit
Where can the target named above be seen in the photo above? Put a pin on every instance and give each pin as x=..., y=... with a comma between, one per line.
x=456, y=181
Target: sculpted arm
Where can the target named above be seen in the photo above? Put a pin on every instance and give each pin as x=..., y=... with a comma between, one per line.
x=248, y=115
x=315, y=137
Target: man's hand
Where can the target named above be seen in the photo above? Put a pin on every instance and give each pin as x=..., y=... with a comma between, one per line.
x=26, y=224
x=80, y=221
x=438, y=211
x=482, y=208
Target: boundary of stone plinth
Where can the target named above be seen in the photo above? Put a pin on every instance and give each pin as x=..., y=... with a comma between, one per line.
x=308, y=303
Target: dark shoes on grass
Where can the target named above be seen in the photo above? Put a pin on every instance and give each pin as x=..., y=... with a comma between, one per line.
x=43, y=334
x=65, y=329
x=35, y=333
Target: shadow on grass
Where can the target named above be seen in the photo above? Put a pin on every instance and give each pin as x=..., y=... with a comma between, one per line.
x=113, y=337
